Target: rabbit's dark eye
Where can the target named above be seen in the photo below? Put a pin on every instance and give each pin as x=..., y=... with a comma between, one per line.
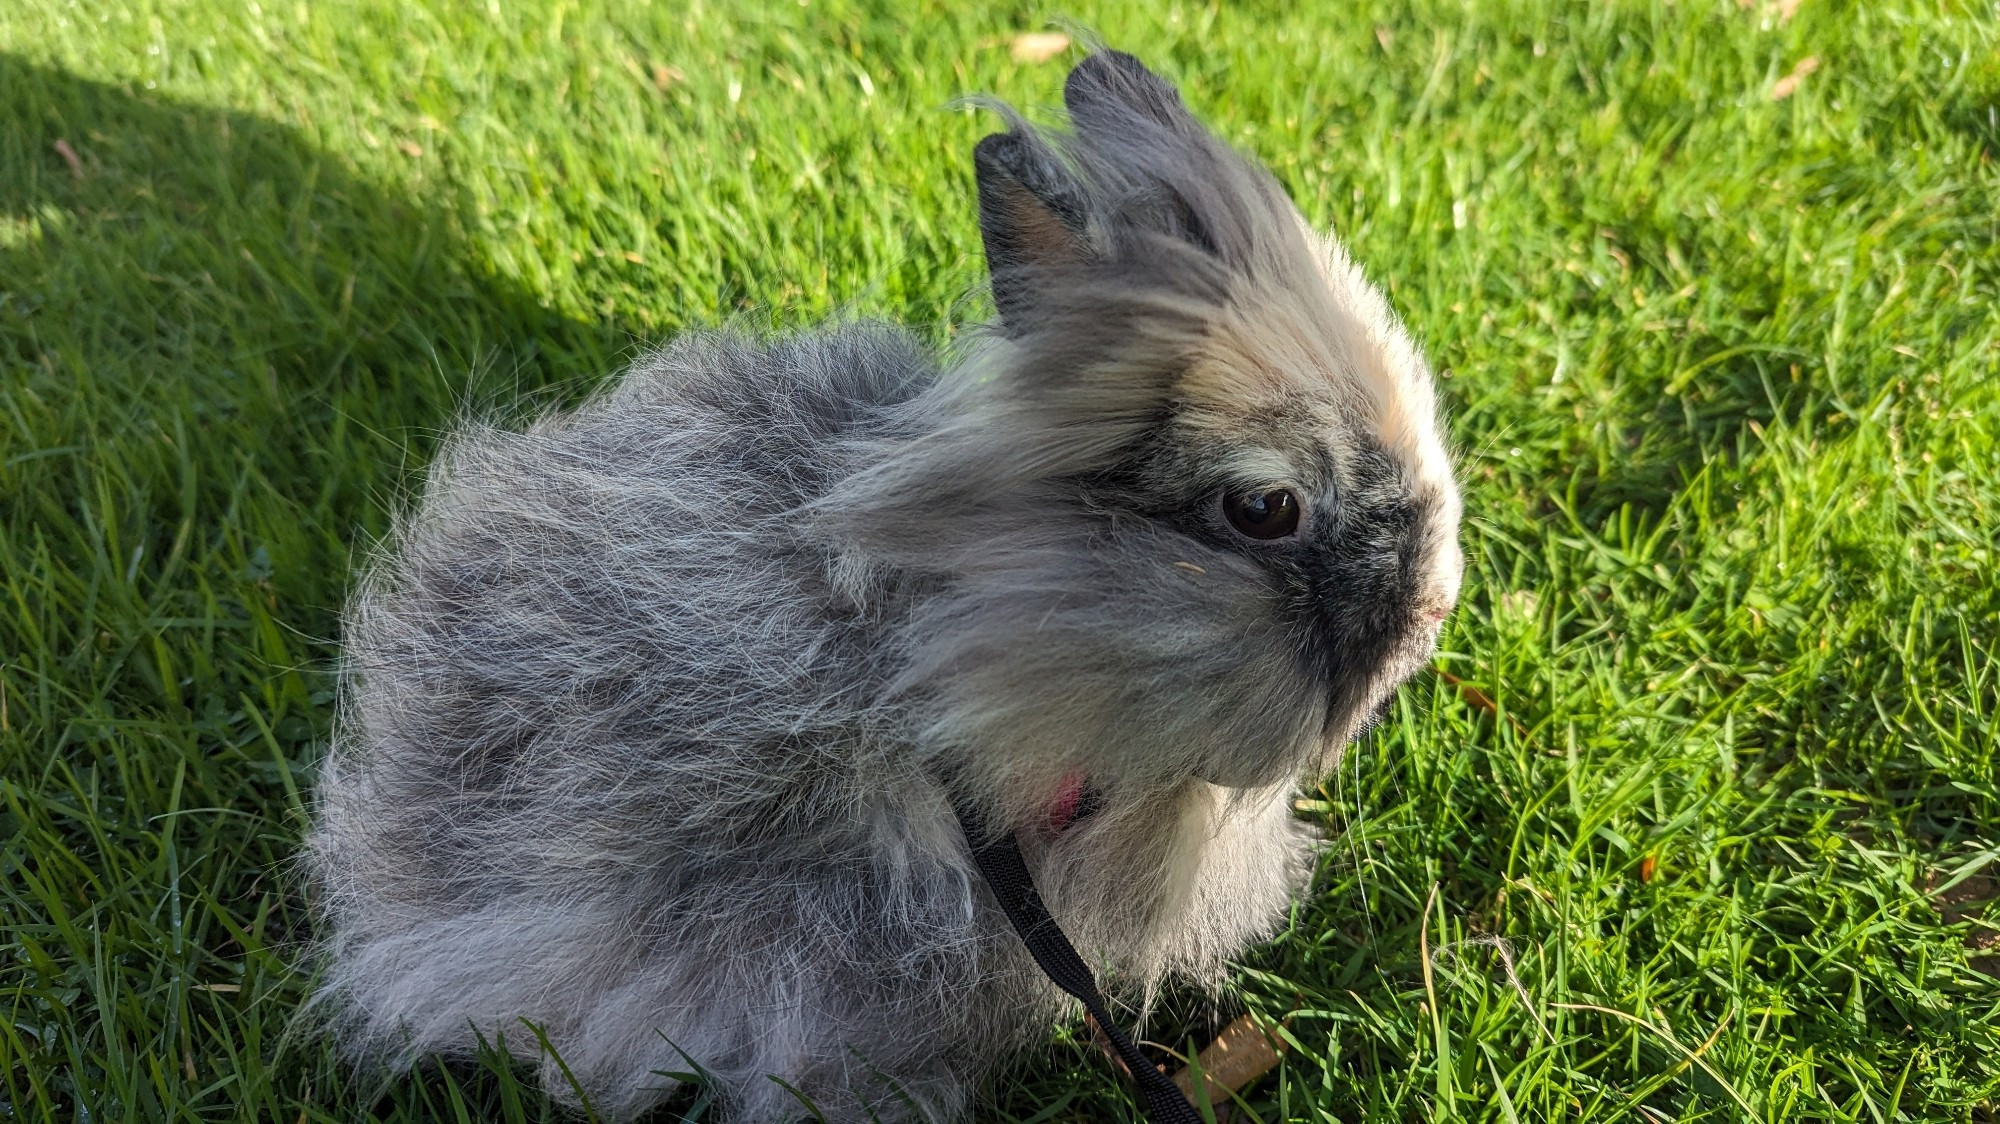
x=1263, y=515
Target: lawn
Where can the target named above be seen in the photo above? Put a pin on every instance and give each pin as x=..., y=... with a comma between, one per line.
x=1697, y=818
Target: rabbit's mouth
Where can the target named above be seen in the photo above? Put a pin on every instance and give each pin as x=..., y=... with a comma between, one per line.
x=1359, y=690
x=1345, y=685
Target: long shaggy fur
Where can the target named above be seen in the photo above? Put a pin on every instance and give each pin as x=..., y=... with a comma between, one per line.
x=654, y=711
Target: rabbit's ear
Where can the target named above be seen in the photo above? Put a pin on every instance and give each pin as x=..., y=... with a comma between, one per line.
x=1029, y=217
x=1136, y=123
x=1109, y=89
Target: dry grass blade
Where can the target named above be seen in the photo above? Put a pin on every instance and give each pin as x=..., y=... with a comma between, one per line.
x=1038, y=46
x=70, y=157
x=1688, y=1057
x=1788, y=85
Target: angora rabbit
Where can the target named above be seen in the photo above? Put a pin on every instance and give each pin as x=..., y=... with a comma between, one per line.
x=655, y=714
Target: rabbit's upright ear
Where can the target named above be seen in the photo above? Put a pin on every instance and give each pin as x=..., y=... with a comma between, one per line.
x=1110, y=89
x=1030, y=218
x=1142, y=133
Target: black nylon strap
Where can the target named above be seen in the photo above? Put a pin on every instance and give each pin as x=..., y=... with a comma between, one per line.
x=999, y=860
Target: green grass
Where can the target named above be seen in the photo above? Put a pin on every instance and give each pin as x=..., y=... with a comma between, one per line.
x=1724, y=374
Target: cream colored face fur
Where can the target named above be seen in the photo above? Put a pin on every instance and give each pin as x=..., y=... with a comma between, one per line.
x=1343, y=358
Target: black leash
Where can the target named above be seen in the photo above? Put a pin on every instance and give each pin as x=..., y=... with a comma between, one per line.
x=999, y=860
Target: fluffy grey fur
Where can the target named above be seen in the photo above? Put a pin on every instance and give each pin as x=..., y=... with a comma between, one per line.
x=652, y=710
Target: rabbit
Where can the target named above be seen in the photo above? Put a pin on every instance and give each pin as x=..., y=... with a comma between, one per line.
x=654, y=713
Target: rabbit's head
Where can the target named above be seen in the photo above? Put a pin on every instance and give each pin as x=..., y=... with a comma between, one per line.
x=1184, y=511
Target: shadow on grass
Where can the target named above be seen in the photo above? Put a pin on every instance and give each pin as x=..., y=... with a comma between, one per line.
x=145, y=241
x=222, y=353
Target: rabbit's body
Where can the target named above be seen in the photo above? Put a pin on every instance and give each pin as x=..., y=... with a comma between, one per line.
x=656, y=712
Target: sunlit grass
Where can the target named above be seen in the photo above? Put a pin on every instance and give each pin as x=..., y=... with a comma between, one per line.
x=1724, y=372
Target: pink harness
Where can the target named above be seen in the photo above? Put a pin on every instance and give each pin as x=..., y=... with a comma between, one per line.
x=1068, y=798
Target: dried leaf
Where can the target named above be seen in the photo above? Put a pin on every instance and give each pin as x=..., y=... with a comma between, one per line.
x=664, y=76
x=1787, y=9
x=1242, y=1053
x=1789, y=84
x=1647, y=866
x=411, y=148
x=1038, y=46
x=1384, y=37
x=70, y=157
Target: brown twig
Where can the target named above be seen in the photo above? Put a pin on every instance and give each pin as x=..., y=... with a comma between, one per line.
x=1479, y=700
